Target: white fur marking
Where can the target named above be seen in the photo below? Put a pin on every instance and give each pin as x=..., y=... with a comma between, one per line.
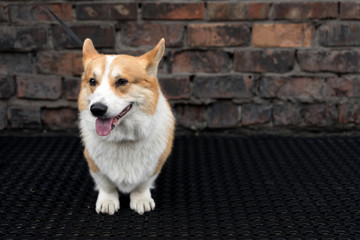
x=104, y=88
x=141, y=202
x=107, y=202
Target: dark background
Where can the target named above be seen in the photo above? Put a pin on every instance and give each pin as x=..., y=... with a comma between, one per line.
x=246, y=66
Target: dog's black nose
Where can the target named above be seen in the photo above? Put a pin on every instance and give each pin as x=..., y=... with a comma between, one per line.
x=98, y=109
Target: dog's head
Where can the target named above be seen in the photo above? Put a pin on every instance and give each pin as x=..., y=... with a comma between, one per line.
x=113, y=86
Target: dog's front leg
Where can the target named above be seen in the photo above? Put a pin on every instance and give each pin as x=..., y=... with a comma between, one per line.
x=108, y=198
x=140, y=198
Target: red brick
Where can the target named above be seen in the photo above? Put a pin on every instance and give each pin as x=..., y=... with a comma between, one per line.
x=237, y=11
x=255, y=114
x=173, y=11
x=218, y=35
x=258, y=11
x=3, y=117
x=101, y=11
x=264, y=61
x=7, y=86
x=16, y=62
x=176, y=87
x=38, y=87
x=320, y=114
x=344, y=87
x=350, y=10
x=72, y=88
x=23, y=38
x=133, y=52
x=302, y=88
x=61, y=63
x=4, y=15
x=223, y=115
x=232, y=86
x=103, y=36
x=227, y=11
x=287, y=114
x=283, y=35
x=60, y=118
x=349, y=113
x=212, y=61
x=308, y=10
x=342, y=61
x=149, y=34
x=340, y=34
x=25, y=117
x=163, y=65
x=191, y=116
x=37, y=13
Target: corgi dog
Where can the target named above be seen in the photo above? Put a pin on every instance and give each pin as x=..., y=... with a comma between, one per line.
x=126, y=124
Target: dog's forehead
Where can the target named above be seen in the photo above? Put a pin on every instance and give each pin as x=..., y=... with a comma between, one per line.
x=96, y=66
x=124, y=65
x=123, y=60
x=102, y=66
x=115, y=66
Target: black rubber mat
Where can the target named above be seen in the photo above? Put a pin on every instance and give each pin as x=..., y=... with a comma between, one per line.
x=211, y=188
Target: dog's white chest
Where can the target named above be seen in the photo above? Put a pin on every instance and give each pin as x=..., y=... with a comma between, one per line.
x=126, y=164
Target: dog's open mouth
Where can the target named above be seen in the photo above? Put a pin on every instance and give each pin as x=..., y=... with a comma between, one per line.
x=105, y=125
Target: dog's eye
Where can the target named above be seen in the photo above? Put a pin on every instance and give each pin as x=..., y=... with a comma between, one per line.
x=92, y=82
x=121, y=82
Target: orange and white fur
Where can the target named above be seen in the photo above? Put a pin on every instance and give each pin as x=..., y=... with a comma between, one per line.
x=126, y=124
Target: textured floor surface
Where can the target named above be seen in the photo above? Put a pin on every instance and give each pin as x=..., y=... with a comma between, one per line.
x=211, y=188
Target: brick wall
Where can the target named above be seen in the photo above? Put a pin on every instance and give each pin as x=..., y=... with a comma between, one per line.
x=244, y=65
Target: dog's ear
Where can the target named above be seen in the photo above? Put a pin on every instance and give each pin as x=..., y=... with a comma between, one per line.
x=153, y=57
x=89, y=51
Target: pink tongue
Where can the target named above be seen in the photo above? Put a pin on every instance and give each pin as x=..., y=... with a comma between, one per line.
x=103, y=126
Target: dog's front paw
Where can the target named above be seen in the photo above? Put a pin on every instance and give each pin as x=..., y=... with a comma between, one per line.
x=107, y=203
x=141, y=202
